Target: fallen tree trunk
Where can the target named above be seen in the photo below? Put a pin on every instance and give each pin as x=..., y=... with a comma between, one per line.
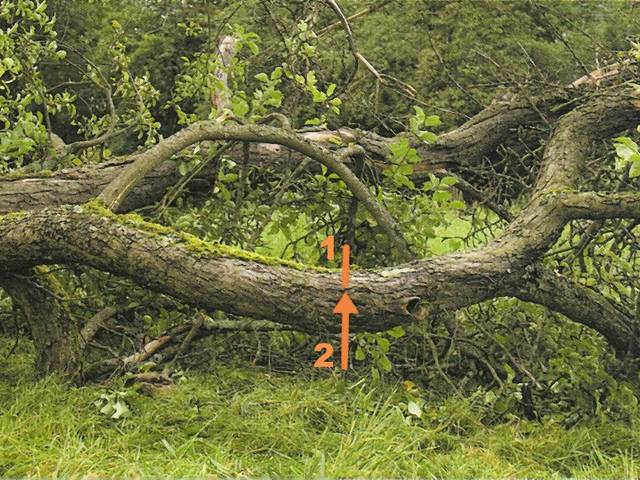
x=465, y=146
x=217, y=277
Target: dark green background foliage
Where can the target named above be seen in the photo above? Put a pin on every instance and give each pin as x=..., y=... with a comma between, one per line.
x=485, y=46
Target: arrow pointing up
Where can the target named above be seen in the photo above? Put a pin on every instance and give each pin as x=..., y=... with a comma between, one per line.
x=345, y=307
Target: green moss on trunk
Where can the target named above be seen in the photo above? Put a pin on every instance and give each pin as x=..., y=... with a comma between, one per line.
x=191, y=242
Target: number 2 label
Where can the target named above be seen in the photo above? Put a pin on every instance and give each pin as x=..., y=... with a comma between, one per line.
x=323, y=361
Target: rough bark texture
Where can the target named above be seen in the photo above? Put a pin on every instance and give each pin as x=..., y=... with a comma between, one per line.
x=466, y=145
x=214, y=277
x=38, y=296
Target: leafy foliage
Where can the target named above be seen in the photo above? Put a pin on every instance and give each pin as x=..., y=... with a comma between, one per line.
x=27, y=39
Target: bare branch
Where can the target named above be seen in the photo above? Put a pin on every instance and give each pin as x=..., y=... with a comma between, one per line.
x=600, y=205
x=355, y=16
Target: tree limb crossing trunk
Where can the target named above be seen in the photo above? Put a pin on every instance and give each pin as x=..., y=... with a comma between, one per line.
x=219, y=277
x=464, y=146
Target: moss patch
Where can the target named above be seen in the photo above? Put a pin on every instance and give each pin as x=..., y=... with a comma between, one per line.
x=13, y=215
x=193, y=243
x=26, y=173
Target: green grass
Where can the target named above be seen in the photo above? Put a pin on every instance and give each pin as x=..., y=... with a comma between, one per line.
x=254, y=423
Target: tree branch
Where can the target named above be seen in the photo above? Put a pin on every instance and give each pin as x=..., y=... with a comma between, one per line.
x=115, y=193
x=217, y=277
x=465, y=146
x=600, y=205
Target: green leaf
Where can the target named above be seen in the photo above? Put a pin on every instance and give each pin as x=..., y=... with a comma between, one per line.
x=108, y=409
x=313, y=121
x=239, y=106
x=420, y=115
x=396, y=332
x=428, y=137
x=276, y=74
x=414, y=409
x=405, y=169
x=318, y=96
x=384, y=363
x=262, y=77
x=448, y=180
x=121, y=410
x=399, y=149
x=623, y=151
x=442, y=196
x=311, y=78
x=360, y=355
x=404, y=182
x=383, y=343
x=253, y=47
x=634, y=171
x=228, y=177
x=627, y=142
x=432, y=121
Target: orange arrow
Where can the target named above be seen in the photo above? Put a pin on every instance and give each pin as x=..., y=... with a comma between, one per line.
x=346, y=252
x=345, y=307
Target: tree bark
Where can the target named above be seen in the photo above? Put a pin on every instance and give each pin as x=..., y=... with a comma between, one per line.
x=465, y=146
x=216, y=277
x=54, y=331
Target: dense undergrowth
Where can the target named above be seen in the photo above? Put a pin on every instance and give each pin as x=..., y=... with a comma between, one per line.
x=248, y=421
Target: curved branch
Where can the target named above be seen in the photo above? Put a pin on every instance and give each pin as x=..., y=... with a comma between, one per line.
x=216, y=277
x=115, y=193
x=465, y=146
x=540, y=223
x=583, y=305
